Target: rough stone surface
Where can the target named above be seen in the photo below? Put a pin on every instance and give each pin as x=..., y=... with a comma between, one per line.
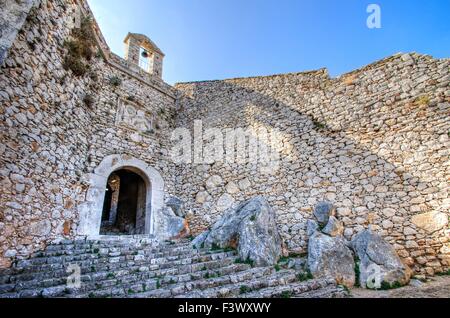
x=12, y=17
x=311, y=227
x=177, y=206
x=334, y=227
x=330, y=257
x=372, y=250
x=374, y=141
x=431, y=222
x=323, y=211
x=138, y=267
x=171, y=226
x=250, y=228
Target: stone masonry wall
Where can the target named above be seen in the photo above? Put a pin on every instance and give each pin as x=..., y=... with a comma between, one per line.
x=12, y=17
x=375, y=142
x=56, y=127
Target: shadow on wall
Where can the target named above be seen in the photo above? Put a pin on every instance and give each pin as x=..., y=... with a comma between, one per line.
x=374, y=141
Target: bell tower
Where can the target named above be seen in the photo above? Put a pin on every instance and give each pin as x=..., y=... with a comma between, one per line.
x=142, y=53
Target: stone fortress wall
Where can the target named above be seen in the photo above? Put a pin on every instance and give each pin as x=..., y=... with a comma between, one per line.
x=375, y=142
x=57, y=127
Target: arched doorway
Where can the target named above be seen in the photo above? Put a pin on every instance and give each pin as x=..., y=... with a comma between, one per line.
x=91, y=211
x=124, y=205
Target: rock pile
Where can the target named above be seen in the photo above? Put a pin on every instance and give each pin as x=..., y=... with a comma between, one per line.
x=368, y=256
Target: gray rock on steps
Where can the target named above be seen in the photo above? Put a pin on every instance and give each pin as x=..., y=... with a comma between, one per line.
x=172, y=227
x=376, y=256
x=251, y=228
x=330, y=257
x=177, y=206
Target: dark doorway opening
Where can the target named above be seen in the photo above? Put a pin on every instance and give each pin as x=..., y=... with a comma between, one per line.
x=124, y=206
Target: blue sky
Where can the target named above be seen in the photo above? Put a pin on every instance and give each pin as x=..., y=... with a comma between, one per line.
x=217, y=39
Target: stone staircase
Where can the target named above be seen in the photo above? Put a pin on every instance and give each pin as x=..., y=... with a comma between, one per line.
x=139, y=267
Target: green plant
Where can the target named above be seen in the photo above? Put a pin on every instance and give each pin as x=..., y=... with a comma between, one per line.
x=344, y=288
x=447, y=273
x=215, y=247
x=115, y=81
x=88, y=100
x=77, y=66
x=93, y=76
x=110, y=276
x=100, y=55
x=297, y=255
x=247, y=261
x=96, y=250
x=423, y=100
x=158, y=284
x=284, y=259
x=302, y=277
x=286, y=294
x=318, y=124
x=387, y=286
x=80, y=48
x=357, y=272
x=149, y=132
x=277, y=267
x=253, y=218
x=244, y=289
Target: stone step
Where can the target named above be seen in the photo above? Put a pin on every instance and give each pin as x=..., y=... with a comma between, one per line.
x=31, y=288
x=331, y=291
x=90, y=267
x=243, y=283
x=128, y=288
x=99, y=254
x=139, y=268
x=70, y=250
x=295, y=289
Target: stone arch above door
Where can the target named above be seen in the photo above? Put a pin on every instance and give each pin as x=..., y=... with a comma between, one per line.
x=90, y=211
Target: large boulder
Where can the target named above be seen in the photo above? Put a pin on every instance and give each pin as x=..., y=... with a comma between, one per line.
x=251, y=228
x=330, y=257
x=177, y=206
x=379, y=262
x=323, y=211
x=170, y=226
